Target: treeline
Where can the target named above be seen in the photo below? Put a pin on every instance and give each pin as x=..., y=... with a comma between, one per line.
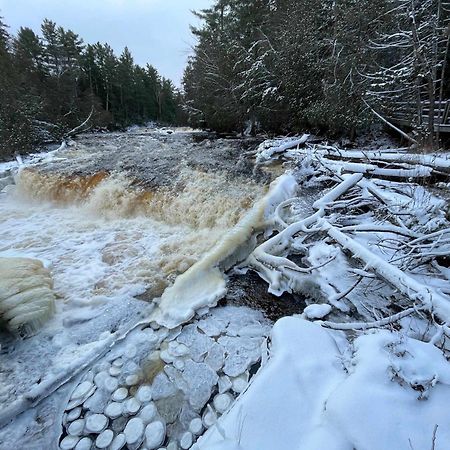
x=50, y=84
x=323, y=65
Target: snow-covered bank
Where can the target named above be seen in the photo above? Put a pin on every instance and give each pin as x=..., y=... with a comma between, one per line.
x=366, y=255
x=383, y=391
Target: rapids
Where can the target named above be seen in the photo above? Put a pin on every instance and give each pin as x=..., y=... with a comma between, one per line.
x=133, y=227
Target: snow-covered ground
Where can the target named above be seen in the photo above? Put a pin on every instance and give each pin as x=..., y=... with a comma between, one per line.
x=357, y=234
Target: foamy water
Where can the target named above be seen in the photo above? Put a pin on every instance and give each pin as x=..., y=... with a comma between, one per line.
x=103, y=237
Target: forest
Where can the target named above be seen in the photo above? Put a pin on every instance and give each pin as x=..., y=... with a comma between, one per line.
x=53, y=83
x=325, y=66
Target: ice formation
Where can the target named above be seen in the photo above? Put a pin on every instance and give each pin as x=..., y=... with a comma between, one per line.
x=27, y=299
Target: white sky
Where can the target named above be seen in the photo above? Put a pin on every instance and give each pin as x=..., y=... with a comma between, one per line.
x=155, y=31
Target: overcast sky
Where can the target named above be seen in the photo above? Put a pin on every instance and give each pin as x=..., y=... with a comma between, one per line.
x=155, y=31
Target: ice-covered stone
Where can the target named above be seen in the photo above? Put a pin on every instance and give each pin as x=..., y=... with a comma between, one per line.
x=120, y=394
x=200, y=379
x=131, y=406
x=172, y=446
x=74, y=414
x=114, y=410
x=196, y=426
x=317, y=311
x=96, y=423
x=176, y=377
x=166, y=356
x=179, y=364
x=110, y=384
x=177, y=349
x=144, y=394
x=148, y=413
x=118, y=442
x=198, y=343
x=84, y=444
x=224, y=384
x=104, y=439
x=132, y=380
x=209, y=418
x=69, y=442
x=76, y=427
x=169, y=408
x=211, y=327
x=236, y=365
x=115, y=371
x=134, y=431
x=118, y=362
x=253, y=330
x=155, y=433
x=239, y=384
x=81, y=390
x=97, y=402
x=130, y=351
x=215, y=357
x=162, y=387
x=222, y=402
x=100, y=378
x=186, y=440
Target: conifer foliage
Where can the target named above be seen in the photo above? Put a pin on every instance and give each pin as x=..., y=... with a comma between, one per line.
x=319, y=65
x=50, y=83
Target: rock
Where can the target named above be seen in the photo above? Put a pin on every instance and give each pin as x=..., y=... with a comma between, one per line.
x=118, y=442
x=96, y=423
x=119, y=424
x=74, y=414
x=148, y=413
x=131, y=406
x=134, y=431
x=81, y=390
x=186, y=440
x=104, y=439
x=144, y=394
x=155, y=434
x=114, y=410
x=222, y=402
x=120, y=394
x=76, y=428
x=196, y=426
x=69, y=442
x=84, y=444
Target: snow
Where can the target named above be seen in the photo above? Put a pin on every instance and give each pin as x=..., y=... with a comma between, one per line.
x=329, y=405
x=316, y=311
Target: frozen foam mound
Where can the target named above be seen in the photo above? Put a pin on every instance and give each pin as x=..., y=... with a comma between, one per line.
x=27, y=299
